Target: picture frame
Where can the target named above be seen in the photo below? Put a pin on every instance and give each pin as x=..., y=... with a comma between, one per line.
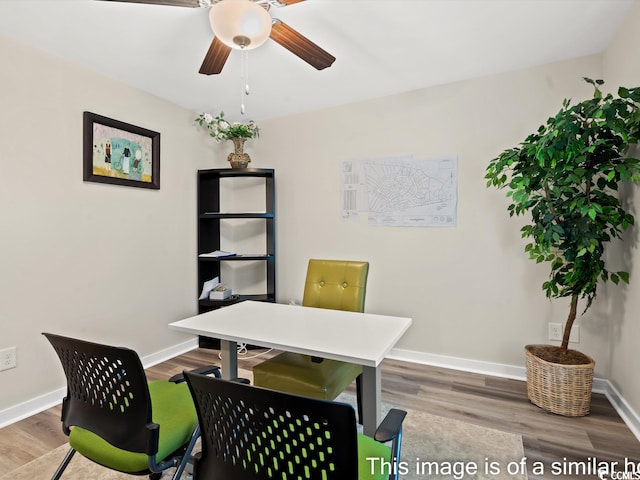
x=119, y=153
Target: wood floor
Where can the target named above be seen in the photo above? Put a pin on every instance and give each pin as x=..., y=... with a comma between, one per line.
x=483, y=400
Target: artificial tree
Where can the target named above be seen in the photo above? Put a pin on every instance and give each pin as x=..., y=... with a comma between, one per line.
x=566, y=176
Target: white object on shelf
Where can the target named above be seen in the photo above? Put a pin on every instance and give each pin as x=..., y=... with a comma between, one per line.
x=217, y=254
x=208, y=286
x=221, y=292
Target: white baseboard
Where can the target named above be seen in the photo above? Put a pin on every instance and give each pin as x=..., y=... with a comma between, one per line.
x=456, y=363
x=600, y=385
x=36, y=405
x=23, y=410
x=628, y=415
x=169, y=353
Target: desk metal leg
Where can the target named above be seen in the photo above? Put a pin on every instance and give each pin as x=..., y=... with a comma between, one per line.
x=229, y=359
x=371, y=399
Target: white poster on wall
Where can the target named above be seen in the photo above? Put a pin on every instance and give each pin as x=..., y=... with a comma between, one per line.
x=401, y=191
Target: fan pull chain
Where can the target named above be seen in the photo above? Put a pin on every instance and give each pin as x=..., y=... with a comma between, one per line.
x=244, y=77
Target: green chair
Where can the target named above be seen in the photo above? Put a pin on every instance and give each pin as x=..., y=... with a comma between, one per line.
x=255, y=433
x=333, y=284
x=117, y=419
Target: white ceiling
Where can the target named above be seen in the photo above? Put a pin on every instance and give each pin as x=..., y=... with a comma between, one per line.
x=382, y=47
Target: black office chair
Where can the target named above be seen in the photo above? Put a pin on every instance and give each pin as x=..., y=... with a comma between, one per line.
x=254, y=433
x=117, y=419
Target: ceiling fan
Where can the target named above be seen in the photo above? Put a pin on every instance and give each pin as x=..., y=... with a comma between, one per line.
x=244, y=25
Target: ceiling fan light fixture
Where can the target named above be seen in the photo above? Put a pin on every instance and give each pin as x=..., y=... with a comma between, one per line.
x=240, y=24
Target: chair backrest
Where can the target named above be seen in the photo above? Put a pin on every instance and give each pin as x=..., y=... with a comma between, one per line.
x=336, y=284
x=256, y=434
x=107, y=393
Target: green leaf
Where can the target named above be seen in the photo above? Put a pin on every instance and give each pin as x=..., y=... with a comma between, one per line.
x=565, y=178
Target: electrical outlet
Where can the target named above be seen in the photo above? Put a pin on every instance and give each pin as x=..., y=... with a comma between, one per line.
x=555, y=331
x=8, y=358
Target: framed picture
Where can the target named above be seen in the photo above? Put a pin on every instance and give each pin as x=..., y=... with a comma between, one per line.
x=119, y=153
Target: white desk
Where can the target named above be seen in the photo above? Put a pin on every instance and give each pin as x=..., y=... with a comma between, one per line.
x=360, y=338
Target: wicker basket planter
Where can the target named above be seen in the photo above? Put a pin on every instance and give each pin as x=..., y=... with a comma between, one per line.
x=557, y=388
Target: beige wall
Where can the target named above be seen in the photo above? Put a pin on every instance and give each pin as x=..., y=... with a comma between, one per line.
x=116, y=264
x=471, y=290
x=102, y=262
x=622, y=67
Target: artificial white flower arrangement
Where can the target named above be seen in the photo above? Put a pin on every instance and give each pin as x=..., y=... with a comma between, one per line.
x=220, y=129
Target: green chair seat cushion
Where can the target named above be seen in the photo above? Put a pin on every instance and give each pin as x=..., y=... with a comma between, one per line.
x=369, y=448
x=298, y=374
x=173, y=409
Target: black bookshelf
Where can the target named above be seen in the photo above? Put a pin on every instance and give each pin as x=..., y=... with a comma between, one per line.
x=209, y=236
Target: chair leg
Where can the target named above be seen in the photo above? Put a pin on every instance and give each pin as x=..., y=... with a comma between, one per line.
x=359, y=397
x=65, y=461
x=396, y=446
x=187, y=454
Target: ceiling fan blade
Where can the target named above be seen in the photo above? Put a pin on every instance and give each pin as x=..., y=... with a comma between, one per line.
x=300, y=45
x=289, y=2
x=175, y=3
x=215, y=58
